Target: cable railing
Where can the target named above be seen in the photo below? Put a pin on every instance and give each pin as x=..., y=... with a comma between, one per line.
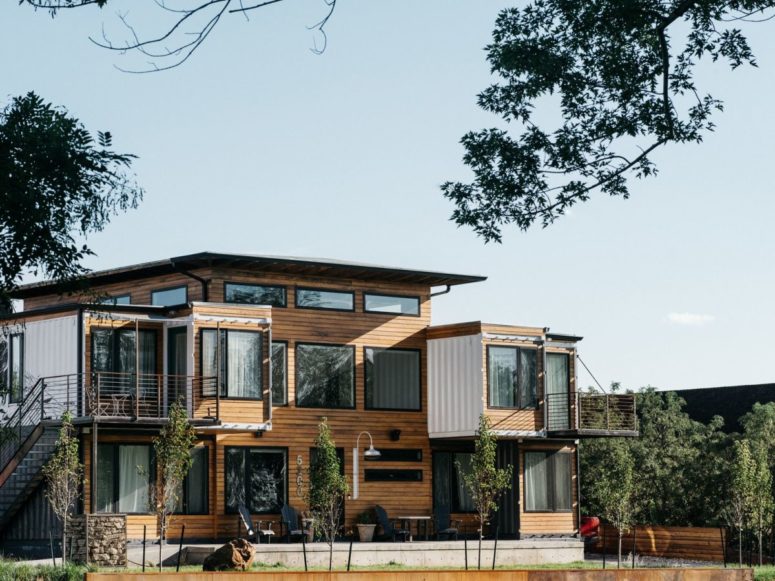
x=591, y=412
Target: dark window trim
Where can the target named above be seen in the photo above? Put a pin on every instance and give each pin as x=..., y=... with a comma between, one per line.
x=322, y=289
x=115, y=346
x=399, y=455
x=10, y=353
x=225, y=380
x=519, y=363
x=296, y=376
x=550, y=483
x=113, y=299
x=285, y=292
x=419, y=378
x=287, y=346
x=117, y=477
x=184, y=500
x=393, y=296
x=389, y=475
x=283, y=449
x=451, y=480
x=169, y=288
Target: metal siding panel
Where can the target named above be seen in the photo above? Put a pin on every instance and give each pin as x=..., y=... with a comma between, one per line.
x=50, y=348
x=34, y=521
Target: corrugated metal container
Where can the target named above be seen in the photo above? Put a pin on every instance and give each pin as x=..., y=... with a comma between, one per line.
x=34, y=520
x=50, y=348
x=455, y=386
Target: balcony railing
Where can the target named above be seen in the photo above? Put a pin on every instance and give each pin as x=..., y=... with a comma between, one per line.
x=592, y=413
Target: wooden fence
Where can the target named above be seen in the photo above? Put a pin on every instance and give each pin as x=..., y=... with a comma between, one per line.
x=694, y=543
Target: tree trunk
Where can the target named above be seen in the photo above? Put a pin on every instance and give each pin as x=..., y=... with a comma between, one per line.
x=619, y=551
x=760, y=546
x=481, y=534
x=740, y=546
x=64, y=541
x=330, y=554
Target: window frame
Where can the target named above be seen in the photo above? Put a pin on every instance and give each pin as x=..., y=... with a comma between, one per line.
x=116, y=484
x=284, y=288
x=518, y=393
x=418, y=298
x=419, y=380
x=170, y=288
x=115, y=347
x=451, y=481
x=551, y=477
x=297, y=360
x=283, y=449
x=322, y=289
x=113, y=299
x=285, y=371
x=184, y=495
x=10, y=351
x=225, y=362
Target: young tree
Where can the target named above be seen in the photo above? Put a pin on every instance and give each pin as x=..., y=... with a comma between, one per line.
x=612, y=488
x=762, y=506
x=63, y=474
x=56, y=185
x=742, y=488
x=172, y=450
x=485, y=482
x=327, y=488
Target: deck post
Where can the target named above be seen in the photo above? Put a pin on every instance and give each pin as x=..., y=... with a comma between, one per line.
x=137, y=369
x=607, y=414
x=218, y=370
x=93, y=483
x=42, y=400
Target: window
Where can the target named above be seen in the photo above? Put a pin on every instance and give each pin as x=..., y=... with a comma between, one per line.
x=116, y=300
x=392, y=379
x=194, y=497
x=391, y=475
x=449, y=489
x=124, y=472
x=255, y=294
x=309, y=298
x=12, y=367
x=390, y=304
x=279, y=373
x=170, y=296
x=511, y=377
x=325, y=376
x=397, y=455
x=241, y=361
x=257, y=478
x=113, y=351
x=548, y=481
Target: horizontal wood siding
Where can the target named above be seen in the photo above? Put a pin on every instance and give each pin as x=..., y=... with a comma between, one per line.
x=695, y=543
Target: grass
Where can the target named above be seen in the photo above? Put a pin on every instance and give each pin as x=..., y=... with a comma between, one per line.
x=14, y=571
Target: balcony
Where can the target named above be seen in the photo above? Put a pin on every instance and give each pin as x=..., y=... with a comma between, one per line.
x=591, y=414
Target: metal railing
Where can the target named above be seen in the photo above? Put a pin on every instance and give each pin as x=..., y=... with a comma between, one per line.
x=591, y=412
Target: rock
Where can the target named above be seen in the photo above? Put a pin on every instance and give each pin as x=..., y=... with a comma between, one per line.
x=236, y=555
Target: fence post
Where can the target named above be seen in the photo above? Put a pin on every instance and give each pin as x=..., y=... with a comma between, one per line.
x=180, y=548
x=605, y=547
x=349, y=554
x=465, y=545
x=304, y=550
x=495, y=548
x=144, y=531
x=634, y=540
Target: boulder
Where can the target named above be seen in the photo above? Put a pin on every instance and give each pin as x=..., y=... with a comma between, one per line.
x=236, y=555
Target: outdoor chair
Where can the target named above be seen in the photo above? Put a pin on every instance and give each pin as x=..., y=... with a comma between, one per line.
x=389, y=530
x=252, y=531
x=444, y=525
x=290, y=522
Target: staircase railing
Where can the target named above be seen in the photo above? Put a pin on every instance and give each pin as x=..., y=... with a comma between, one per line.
x=22, y=422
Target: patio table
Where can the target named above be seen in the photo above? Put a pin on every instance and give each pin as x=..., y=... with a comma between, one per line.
x=407, y=524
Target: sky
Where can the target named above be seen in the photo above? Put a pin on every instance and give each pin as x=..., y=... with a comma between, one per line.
x=258, y=145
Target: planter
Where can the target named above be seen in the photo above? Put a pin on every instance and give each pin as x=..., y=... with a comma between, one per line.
x=366, y=533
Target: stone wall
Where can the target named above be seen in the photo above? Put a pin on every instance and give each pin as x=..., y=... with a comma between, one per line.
x=97, y=539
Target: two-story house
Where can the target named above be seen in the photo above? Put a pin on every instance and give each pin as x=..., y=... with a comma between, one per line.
x=259, y=349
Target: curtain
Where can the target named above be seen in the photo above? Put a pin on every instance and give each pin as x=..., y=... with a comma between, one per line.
x=536, y=481
x=279, y=362
x=134, y=466
x=17, y=367
x=392, y=379
x=557, y=387
x=501, y=375
x=562, y=481
x=244, y=364
x=196, y=482
x=235, y=478
x=463, y=466
x=105, y=477
x=527, y=378
x=442, y=470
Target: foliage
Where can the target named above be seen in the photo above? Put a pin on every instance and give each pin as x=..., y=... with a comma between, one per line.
x=484, y=481
x=367, y=517
x=13, y=571
x=759, y=428
x=172, y=449
x=741, y=490
x=761, y=509
x=593, y=89
x=63, y=474
x=56, y=186
x=327, y=488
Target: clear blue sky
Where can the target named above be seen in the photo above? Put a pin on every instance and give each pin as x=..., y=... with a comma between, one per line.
x=257, y=145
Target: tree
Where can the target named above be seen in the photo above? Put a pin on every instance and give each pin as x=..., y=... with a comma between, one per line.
x=741, y=490
x=327, y=488
x=485, y=482
x=593, y=89
x=63, y=474
x=56, y=186
x=187, y=27
x=762, y=505
x=172, y=448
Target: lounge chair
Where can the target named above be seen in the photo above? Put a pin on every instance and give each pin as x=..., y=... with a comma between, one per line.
x=389, y=530
x=253, y=532
x=444, y=525
x=290, y=522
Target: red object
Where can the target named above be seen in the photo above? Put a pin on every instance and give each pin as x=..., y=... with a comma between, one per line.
x=589, y=526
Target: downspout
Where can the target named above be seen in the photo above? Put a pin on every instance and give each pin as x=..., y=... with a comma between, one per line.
x=445, y=291
x=203, y=281
x=578, y=491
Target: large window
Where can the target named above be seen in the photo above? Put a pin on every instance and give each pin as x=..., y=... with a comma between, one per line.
x=548, y=481
x=391, y=304
x=254, y=294
x=279, y=373
x=310, y=298
x=124, y=472
x=12, y=367
x=511, y=377
x=194, y=498
x=325, y=376
x=170, y=296
x=449, y=489
x=241, y=361
x=114, y=351
x=392, y=379
x=257, y=478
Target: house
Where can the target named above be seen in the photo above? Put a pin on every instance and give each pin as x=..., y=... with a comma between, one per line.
x=259, y=349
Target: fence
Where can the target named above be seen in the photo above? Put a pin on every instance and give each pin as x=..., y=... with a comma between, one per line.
x=693, y=543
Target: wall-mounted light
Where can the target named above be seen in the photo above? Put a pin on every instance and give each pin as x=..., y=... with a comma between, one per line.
x=395, y=435
x=370, y=453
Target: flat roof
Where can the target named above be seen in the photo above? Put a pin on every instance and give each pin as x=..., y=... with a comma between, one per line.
x=290, y=265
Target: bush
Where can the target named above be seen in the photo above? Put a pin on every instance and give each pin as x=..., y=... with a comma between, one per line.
x=13, y=571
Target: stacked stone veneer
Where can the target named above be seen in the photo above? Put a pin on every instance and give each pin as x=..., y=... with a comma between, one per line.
x=98, y=539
